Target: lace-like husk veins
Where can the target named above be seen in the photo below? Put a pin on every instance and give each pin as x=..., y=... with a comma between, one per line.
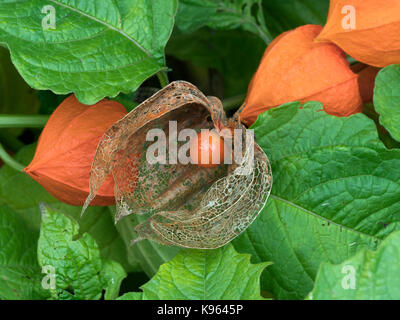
x=227, y=208
x=112, y=147
x=188, y=206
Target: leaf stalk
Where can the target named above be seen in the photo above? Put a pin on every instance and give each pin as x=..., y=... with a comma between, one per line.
x=8, y=160
x=23, y=121
x=163, y=78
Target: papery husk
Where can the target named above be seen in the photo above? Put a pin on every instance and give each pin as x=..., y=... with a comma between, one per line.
x=187, y=205
x=296, y=68
x=376, y=38
x=66, y=149
x=366, y=80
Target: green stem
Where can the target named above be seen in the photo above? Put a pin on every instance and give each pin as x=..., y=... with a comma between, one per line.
x=7, y=159
x=233, y=102
x=10, y=142
x=265, y=35
x=263, y=30
x=163, y=78
x=23, y=121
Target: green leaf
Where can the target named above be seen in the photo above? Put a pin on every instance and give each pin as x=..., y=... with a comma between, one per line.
x=20, y=274
x=223, y=15
x=131, y=296
x=224, y=51
x=97, y=49
x=204, y=275
x=370, y=275
x=387, y=99
x=112, y=275
x=22, y=194
x=336, y=190
x=80, y=272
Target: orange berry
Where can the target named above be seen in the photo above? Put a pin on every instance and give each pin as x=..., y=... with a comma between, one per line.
x=208, y=149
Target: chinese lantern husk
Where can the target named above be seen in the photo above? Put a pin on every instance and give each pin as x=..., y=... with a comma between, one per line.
x=66, y=149
x=187, y=205
x=374, y=36
x=366, y=80
x=296, y=68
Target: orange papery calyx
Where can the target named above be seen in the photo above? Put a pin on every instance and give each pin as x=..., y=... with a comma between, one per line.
x=66, y=148
x=296, y=68
x=366, y=80
x=367, y=30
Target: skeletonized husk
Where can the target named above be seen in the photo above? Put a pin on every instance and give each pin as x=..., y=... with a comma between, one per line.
x=188, y=205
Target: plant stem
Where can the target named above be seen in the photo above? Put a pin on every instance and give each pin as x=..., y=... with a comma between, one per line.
x=22, y=121
x=263, y=34
x=233, y=102
x=163, y=78
x=10, y=142
x=7, y=159
x=263, y=30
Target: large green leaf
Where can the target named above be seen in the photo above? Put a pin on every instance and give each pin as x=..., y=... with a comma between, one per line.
x=79, y=270
x=97, y=49
x=20, y=274
x=22, y=194
x=204, y=275
x=370, y=275
x=336, y=190
x=387, y=99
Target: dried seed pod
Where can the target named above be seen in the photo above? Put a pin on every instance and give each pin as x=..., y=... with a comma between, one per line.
x=66, y=149
x=367, y=30
x=188, y=205
x=296, y=68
